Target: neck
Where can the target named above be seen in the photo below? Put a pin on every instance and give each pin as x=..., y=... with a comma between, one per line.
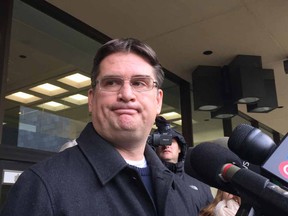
x=134, y=154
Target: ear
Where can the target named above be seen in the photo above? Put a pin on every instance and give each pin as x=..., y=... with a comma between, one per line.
x=90, y=99
x=159, y=100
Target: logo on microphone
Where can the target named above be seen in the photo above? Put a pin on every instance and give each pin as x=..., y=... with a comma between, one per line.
x=283, y=168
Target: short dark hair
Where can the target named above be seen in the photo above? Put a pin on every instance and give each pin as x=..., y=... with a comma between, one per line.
x=127, y=45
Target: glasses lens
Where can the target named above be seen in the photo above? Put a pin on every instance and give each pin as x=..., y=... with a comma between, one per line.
x=142, y=83
x=138, y=83
x=111, y=84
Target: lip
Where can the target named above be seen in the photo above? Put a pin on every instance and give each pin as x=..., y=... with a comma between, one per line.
x=124, y=109
x=167, y=151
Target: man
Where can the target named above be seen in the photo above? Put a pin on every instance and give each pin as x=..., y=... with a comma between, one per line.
x=173, y=156
x=111, y=170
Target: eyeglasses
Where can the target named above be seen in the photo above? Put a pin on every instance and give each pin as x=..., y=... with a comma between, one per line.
x=138, y=83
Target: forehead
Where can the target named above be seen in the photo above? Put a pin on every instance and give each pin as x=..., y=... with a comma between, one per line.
x=125, y=64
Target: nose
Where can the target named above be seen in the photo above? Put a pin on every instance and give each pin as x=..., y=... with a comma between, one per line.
x=126, y=92
x=165, y=147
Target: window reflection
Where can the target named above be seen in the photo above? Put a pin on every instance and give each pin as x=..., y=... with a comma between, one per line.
x=44, y=105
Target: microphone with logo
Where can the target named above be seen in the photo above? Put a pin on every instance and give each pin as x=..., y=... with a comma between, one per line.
x=251, y=144
x=219, y=167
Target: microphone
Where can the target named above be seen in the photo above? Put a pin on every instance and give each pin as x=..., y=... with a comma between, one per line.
x=204, y=162
x=264, y=196
x=215, y=165
x=251, y=144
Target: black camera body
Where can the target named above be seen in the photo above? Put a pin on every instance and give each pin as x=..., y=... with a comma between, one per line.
x=160, y=139
x=162, y=136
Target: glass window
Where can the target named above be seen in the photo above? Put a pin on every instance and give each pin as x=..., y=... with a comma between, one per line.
x=206, y=128
x=171, y=109
x=48, y=78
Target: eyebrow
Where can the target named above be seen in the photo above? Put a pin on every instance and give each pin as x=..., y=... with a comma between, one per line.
x=135, y=76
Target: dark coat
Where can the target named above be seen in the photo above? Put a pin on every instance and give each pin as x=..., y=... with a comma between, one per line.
x=200, y=192
x=93, y=179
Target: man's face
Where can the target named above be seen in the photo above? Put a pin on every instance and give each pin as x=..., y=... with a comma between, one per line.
x=125, y=116
x=169, y=153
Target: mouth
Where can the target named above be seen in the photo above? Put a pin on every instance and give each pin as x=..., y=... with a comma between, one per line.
x=125, y=111
x=166, y=151
x=129, y=110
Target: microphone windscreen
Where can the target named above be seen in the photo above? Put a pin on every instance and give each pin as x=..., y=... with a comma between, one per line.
x=236, y=142
x=251, y=144
x=205, y=162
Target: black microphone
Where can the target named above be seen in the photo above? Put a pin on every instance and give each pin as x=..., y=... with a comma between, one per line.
x=251, y=144
x=215, y=165
x=266, y=197
x=204, y=162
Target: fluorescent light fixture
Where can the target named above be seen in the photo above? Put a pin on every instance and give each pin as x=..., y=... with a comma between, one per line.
x=22, y=97
x=78, y=99
x=48, y=89
x=194, y=121
x=171, y=115
x=53, y=106
x=178, y=122
x=76, y=80
x=10, y=176
x=154, y=127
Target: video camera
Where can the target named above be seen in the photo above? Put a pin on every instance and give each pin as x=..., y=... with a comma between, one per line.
x=162, y=136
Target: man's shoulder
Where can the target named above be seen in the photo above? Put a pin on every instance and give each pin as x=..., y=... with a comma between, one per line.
x=59, y=163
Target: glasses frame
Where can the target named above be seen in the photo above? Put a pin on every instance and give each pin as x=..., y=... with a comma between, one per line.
x=153, y=82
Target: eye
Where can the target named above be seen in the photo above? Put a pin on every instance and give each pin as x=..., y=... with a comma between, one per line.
x=109, y=82
x=140, y=82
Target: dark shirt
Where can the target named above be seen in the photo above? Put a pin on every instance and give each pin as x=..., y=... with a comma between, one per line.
x=146, y=177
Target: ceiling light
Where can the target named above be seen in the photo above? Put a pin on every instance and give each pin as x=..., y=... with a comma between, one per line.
x=48, y=89
x=22, y=97
x=10, y=176
x=194, y=121
x=229, y=110
x=171, y=115
x=76, y=80
x=208, y=52
x=154, y=127
x=178, y=122
x=53, y=106
x=78, y=99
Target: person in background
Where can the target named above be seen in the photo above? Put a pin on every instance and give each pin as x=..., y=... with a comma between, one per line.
x=224, y=204
x=111, y=171
x=173, y=156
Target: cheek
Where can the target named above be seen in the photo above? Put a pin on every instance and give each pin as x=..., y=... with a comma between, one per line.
x=94, y=101
x=153, y=103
